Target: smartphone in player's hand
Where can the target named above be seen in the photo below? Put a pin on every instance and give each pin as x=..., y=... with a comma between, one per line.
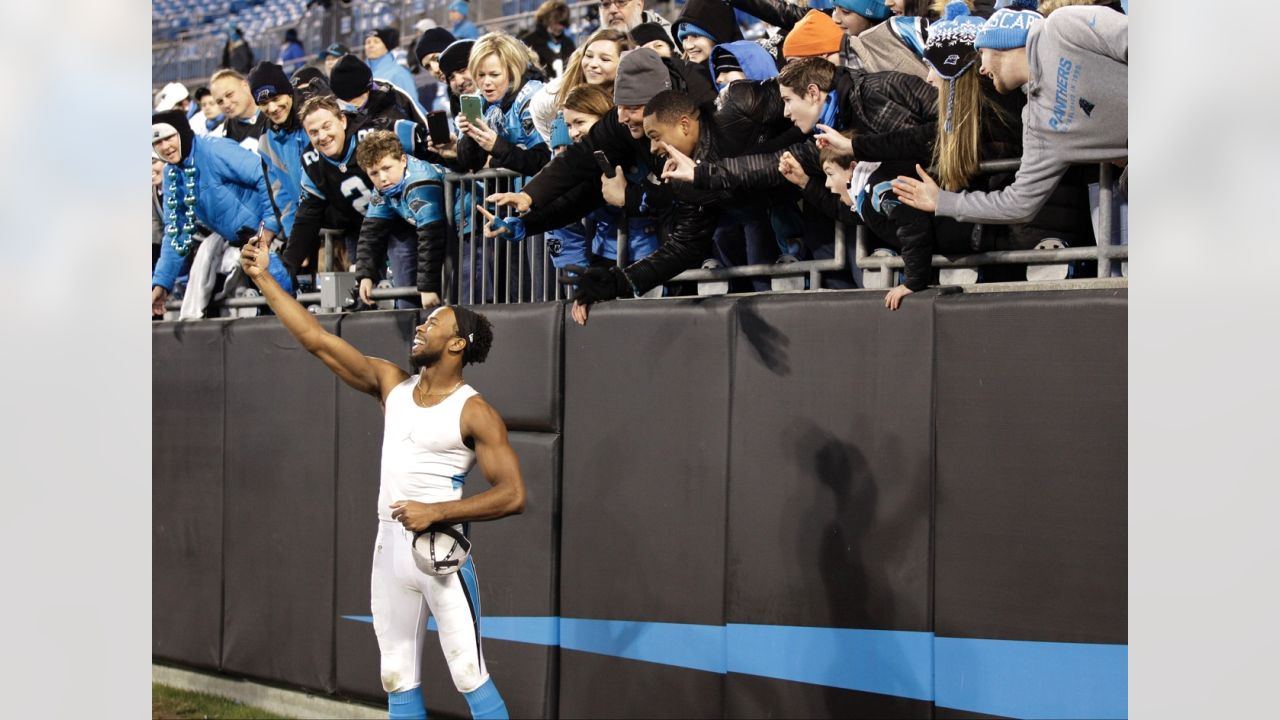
x=471, y=107
x=605, y=166
x=438, y=127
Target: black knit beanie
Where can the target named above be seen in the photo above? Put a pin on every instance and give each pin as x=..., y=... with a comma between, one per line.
x=432, y=41
x=350, y=77
x=267, y=80
x=455, y=57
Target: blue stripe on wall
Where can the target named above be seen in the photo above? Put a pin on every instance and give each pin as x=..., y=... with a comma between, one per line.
x=880, y=661
x=1032, y=679
x=699, y=647
x=997, y=677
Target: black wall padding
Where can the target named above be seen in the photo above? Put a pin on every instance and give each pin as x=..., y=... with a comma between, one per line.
x=747, y=696
x=644, y=490
x=1031, y=509
x=599, y=686
x=279, y=507
x=522, y=376
x=515, y=561
x=186, y=492
x=830, y=457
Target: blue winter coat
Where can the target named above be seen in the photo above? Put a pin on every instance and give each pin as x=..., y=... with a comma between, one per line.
x=291, y=55
x=386, y=68
x=465, y=30
x=231, y=193
x=282, y=150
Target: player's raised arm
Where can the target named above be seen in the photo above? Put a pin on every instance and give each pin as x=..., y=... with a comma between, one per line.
x=373, y=376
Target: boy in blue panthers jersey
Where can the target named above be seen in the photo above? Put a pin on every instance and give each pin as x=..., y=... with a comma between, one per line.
x=409, y=189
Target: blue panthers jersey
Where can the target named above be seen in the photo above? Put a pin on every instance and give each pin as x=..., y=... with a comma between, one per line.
x=420, y=201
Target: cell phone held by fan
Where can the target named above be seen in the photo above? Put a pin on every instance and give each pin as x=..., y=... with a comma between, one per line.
x=438, y=127
x=472, y=107
x=606, y=167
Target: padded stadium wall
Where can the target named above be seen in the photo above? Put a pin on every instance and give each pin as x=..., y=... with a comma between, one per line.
x=794, y=505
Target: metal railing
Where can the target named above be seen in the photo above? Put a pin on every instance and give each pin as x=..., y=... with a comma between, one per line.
x=1105, y=252
x=480, y=270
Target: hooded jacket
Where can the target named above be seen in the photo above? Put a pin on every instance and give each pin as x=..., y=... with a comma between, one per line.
x=231, y=193
x=755, y=61
x=713, y=16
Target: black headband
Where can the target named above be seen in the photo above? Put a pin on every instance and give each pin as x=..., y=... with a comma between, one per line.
x=467, y=322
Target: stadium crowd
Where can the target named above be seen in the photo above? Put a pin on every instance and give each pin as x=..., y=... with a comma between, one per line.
x=733, y=133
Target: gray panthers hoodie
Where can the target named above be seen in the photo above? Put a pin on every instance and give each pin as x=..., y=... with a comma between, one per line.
x=1077, y=111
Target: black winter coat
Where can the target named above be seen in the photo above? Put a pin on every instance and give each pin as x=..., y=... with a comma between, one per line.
x=540, y=41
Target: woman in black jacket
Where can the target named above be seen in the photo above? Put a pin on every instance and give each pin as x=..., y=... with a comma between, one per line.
x=547, y=38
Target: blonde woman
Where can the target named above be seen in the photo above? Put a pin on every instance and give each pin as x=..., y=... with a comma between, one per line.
x=507, y=77
x=595, y=63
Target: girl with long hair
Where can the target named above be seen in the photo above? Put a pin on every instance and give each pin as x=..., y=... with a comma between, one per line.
x=595, y=63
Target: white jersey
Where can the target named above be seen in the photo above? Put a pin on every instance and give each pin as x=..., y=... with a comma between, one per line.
x=423, y=456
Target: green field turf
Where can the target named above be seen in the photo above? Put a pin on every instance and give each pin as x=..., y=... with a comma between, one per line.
x=171, y=704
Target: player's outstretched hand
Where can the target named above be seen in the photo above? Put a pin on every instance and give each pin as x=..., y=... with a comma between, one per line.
x=412, y=515
x=255, y=257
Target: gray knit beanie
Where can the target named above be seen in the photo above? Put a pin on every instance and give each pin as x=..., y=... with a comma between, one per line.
x=641, y=75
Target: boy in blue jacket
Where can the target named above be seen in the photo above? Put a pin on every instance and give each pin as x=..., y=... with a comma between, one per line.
x=404, y=188
x=212, y=180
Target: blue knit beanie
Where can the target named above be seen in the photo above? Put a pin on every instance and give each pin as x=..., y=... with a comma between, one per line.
x=869, y=9
x=461, y=7
x=1007, y=28
x=687, y=28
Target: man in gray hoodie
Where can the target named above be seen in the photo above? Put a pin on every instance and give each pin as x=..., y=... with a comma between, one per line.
x=1074, y=67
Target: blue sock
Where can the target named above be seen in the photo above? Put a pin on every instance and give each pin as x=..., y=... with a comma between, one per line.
x=485, y=702
x=406, y=705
